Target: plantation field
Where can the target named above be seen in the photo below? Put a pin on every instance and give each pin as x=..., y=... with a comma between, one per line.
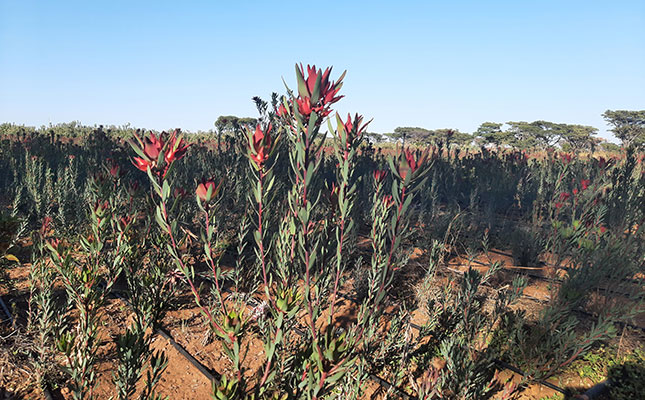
x=293, y=258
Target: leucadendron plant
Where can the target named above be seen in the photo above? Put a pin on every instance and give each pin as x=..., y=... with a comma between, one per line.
x=156, y=156
x=88, y=274
x=325, y=358
x=594, y=266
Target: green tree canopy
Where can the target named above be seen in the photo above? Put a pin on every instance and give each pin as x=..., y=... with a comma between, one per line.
x=628, y=126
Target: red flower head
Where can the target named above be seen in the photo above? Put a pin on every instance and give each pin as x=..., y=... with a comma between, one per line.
x=44, y=227
x=413, y=161
x=141, y=164
x=564, y=196
x=584, y=184
x=153, y=150
x=114, y=168
x=602, y=162
x=282, y=110
x=328, y=89
x=180, y=193
x=152, y=146
x=575, y=191
x=558, y=205
x=315, y=91
x=603, y=229
x=566, y=158
x=260, y=145
x=177, y=148
x=379, y=175
x=304, y=106
x=351, y=131
x=207, y=190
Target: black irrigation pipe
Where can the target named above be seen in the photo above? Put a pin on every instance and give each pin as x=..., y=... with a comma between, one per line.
x=501, y=253
x=587, y=313
x=6, y=311
x=215, y=377
x=500, y=363
x=207, y=372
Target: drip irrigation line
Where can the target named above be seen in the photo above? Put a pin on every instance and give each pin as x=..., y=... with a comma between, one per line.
x=501, y=253
x=207, y=372
x=597, y=390
x=6, y=311
x=556, y=280
x=510, y=367
x=500, y=363
x=213, y=376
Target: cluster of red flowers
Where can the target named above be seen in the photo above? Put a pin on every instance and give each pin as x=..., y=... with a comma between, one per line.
x=566, y=158
x=158, y=154
x=564, y=196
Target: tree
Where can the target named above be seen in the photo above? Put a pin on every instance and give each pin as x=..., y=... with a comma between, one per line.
x=628, y=126
x=578, y=137
x=414, y=135
x=229, y=124
x=491, y=133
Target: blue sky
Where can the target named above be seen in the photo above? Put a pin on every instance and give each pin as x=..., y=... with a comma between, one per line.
x=411, y=63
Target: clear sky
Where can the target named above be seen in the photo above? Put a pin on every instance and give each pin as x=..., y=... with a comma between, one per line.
x=433, y=64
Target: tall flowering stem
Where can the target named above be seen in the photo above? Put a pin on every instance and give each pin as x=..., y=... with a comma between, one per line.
x=304, y=116
x=87, y=285
x=157, y=156
x=261, y=146
x=349, y=135
x=389, y=212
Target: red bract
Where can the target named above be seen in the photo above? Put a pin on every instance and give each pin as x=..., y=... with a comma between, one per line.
x=304, y=106
x=564, y=196
x=44, y=228
x=261, y=145
x=153, y=150
x=204, y=188
x=352, y=130
x=413, y=160
x=602, y=162
x=379, y=175
x=328, y=89
x=177, y=148
x=585, y=184
x=558, y=205
x=566, y=158
x=141, y=164
x=282, y=111
x=152, y=146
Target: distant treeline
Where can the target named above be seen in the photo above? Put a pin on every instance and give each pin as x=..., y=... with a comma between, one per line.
x=627, y=126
